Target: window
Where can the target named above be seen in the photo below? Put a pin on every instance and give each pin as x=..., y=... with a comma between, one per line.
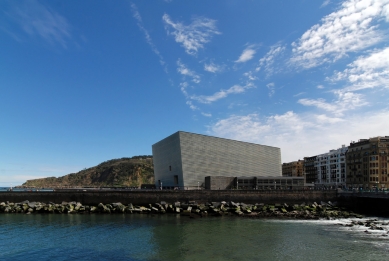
x=175, y=179
x=170, y=168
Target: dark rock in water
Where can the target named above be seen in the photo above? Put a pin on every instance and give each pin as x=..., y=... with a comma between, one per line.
x=192, y=215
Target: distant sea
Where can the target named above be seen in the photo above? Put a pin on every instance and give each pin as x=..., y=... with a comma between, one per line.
x=171, y=237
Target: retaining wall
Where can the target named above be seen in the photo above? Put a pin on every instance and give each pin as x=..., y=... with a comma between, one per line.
x=154, y=196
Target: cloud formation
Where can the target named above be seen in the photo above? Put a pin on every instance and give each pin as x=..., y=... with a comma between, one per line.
x=346, y=101
x=193, y=36
x=283, y=130
x=353, y=27
x=213, y=68
x=325, y=3
x=270, y=87
x=138, y=17
x=220, y=94
x=182, y=69
x=246, y=55
x=369, y=71
x=267, y=62
x=36, y=19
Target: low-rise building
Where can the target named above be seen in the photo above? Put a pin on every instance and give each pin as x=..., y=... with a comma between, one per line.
x=254, y=183
x=293, y=169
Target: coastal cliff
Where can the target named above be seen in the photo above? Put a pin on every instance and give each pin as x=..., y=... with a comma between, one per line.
x=124, y=172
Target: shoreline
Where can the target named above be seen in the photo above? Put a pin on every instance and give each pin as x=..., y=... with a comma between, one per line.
x=324, y=210
x=192, y=210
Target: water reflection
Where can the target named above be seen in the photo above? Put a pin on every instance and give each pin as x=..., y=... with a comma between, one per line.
x=167, y=237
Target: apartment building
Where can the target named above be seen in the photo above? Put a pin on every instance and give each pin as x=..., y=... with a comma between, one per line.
x=367, y=163
x=331, y=168
x=310, y=170
x=293, y=169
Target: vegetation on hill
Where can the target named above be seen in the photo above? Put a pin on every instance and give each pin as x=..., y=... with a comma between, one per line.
x=124, y=172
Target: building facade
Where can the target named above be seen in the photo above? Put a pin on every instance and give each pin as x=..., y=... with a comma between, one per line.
x=310, y=170
x=331, y=168
x=368, y=163
x=183, y=160
x=293, y=169
x=254, y=183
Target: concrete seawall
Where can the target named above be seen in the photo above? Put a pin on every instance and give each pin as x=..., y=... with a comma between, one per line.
x=370, y=203
x=154, y=196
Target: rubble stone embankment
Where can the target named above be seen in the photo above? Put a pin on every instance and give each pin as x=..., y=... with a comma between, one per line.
x=192, y=209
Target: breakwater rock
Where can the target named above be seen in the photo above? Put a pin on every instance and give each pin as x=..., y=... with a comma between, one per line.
x=192, y=209
x=370, y=225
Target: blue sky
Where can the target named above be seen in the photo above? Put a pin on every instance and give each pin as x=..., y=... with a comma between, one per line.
x=83, y=82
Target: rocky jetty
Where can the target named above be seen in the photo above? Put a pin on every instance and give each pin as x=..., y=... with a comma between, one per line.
x=327, y=210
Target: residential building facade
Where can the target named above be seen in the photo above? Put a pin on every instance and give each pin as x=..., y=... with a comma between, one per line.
x=310, y=170
x=293, y=169
x=331, y=168
x=368, y=163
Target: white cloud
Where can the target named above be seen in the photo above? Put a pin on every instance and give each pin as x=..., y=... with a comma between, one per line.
x=213, y=68
x=304, y=135
x=37, y=19
x=191, y=106
x=267, y=61
x=246, y=55
x=367, y=71
x=182, y=69
x=299, y=94
x=270, y=87
x=325, y=3
x=250, y=75
x=346, y=101
x=192, y=37
x=320, y=86
x=351, y=28
x=183, y=87
x=206, y=114
x=220, y=94
x=385, y=12
x=138, y=17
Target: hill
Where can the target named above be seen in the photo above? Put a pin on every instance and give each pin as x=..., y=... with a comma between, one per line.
x=124, y=172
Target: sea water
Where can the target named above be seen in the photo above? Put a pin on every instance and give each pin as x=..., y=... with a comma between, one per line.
x=174, y=237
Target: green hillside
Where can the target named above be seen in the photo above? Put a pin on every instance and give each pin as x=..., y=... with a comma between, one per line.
x=124, y=172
